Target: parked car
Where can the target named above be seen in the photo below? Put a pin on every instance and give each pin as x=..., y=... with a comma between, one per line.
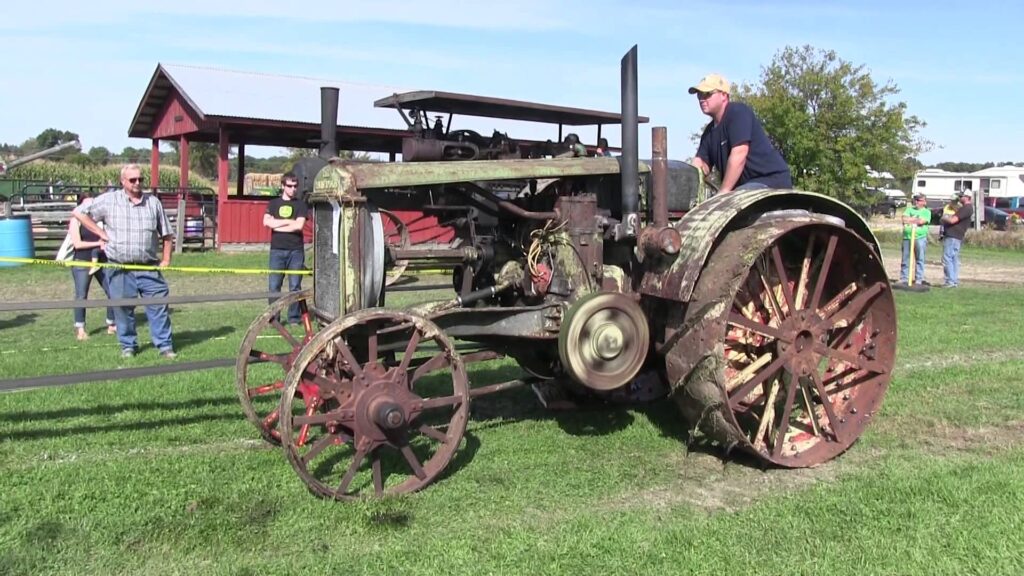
x=888, y=201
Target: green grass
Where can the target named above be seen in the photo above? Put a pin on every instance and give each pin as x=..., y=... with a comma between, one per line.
x=163, y=475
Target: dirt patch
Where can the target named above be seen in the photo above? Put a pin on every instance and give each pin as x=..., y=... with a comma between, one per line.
x=970, y=272
x=707, y=482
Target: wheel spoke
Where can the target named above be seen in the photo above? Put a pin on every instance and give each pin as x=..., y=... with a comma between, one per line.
x=826, y=266
x=310, y=419
x=773, y=301
x=281, y=359
x=737, y=396
x=317, y=447
x=846, y=315
x=787, y=291
x=853, y=360
x=265, y=389
x=349, y=358
x=378, y=475
x=805, y=275
x=812, y=415
x=357, y=460
x=748, y=371
x=304, y=429
x=826, y=403
x=414, y=462
x=436, y=362
x=270, y=420
x=442, y=401
x=434, y=433
x=787, y=410
x=410, y=349
x=371, y=346
x=762, y=329
x=767, y=415
x=284, y=332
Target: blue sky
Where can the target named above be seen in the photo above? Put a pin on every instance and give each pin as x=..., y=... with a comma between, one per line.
x=83, y=66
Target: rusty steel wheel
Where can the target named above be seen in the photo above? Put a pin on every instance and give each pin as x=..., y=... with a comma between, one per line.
x=807, y=328
x=394, y=406
x=266, y=356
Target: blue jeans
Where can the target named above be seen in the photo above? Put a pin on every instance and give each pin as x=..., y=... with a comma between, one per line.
x=82, y=282
x=920, y=246
x=752, y=186
x=287, y=260
x=133, y=284
x=951, y=260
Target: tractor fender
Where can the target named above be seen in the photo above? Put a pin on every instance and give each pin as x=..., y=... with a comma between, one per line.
x=703, y=227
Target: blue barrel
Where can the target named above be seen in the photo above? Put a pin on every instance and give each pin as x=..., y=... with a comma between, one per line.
x=16, y=238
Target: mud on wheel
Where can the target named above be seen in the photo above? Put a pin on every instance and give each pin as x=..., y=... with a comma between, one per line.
x=393, y=403
x=804, y=329
x=265, y=357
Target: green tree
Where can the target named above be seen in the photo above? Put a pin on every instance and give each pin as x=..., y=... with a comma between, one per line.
x=99, y=155
x=52, y=137
x=831, y=121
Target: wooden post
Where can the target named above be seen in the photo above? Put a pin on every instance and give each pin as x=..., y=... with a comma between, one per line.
x=154, y=165
x=222, y=173
x=183, y=162
x=179, y=230
x=240, y=180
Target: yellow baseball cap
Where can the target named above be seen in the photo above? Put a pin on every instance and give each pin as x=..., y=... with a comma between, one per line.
x=711, y=83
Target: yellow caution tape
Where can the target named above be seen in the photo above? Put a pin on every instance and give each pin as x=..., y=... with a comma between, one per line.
x=90, y=264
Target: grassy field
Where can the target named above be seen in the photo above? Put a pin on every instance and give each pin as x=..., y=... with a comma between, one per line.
x=164, y=476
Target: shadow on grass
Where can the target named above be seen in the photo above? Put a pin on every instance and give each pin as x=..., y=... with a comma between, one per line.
x=51, y=432
x=190, y=338
x=47, y=416
x=19, y=320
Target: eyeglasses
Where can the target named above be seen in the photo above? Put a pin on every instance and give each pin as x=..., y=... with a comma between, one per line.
x=134, y=180
x=291, y=185
x=705, y=95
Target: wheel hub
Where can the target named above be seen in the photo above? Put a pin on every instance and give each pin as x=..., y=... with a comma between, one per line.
x=607, y=341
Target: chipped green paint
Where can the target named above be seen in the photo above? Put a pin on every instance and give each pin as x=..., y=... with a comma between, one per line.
x=350, y=277
x=344, y=180
x=702, y=227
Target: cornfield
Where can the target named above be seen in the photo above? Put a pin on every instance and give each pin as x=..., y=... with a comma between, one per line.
x=97, y=175
x=262, y=184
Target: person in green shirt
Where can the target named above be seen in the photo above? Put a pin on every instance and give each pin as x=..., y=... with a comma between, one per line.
x=915, y=220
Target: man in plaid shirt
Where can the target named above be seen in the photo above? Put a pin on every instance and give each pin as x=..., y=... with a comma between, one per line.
x=134, y=225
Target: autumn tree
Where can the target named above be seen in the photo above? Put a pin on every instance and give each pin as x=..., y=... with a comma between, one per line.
x=831, y=121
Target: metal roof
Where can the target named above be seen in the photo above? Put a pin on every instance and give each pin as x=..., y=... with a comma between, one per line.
x=452, y=103
x=282, y=110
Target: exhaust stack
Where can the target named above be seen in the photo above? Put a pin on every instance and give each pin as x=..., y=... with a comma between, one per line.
x=328, y=122
x=629, y=161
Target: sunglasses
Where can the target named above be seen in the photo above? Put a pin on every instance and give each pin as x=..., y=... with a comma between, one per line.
x=705, y=95
x=291, y=185
x=134, y=180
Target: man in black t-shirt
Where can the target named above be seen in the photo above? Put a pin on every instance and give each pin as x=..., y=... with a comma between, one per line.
x=286, y=216
x=735, y=143
x=956, y=226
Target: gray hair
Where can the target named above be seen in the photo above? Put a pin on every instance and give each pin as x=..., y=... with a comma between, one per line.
x=127, y=167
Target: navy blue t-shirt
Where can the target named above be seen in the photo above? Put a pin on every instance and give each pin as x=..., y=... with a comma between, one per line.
x=739, y=125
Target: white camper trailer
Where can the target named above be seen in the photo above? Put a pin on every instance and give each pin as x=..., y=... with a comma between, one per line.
x=999, y=182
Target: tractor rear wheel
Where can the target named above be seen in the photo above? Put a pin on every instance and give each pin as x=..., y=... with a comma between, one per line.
x=797, y=326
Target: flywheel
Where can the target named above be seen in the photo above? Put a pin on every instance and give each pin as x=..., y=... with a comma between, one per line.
x=604, y=340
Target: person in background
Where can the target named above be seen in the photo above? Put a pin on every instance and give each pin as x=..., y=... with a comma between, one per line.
x=87, y=247
x=286, y=216
x=948, y=209
x=135, y=225
x=602, y=147
x=915, y=229
x=735, y=143
x=956, y=229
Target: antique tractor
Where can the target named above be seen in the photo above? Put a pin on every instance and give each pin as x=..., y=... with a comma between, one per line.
x=766, y=316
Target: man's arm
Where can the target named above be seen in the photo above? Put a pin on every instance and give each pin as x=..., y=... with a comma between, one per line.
x=91, y=224
x=168, y=247
x=270, y=222
x=734, y=167
x=291, y=225
x=701, y=165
